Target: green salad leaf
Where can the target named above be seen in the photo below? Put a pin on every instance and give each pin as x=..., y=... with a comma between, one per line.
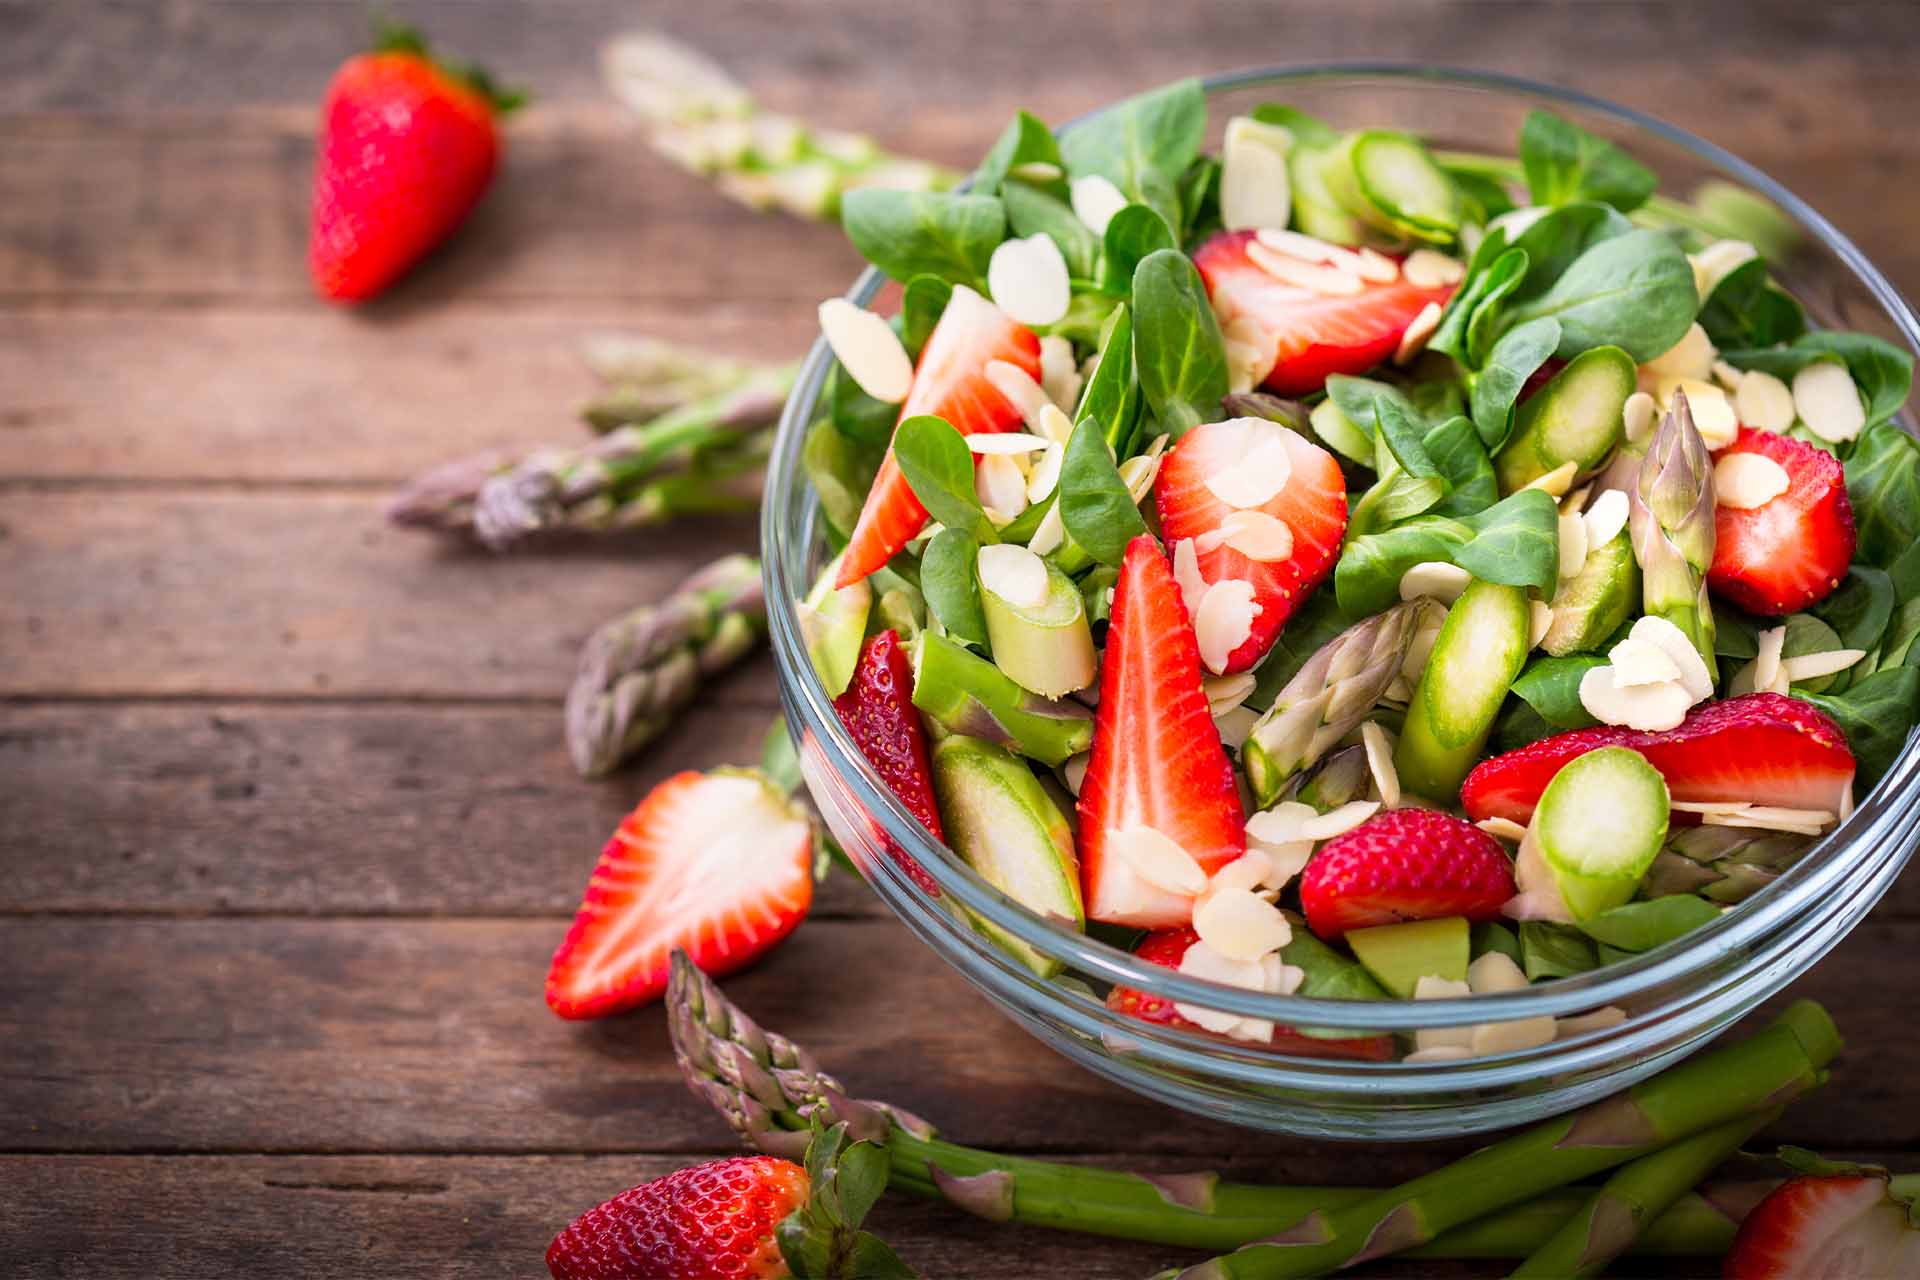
x=1491, y=935
x=1395, y=495
x=938, y=233
x=1479, y=295
x=921, y=303
x=1875, y=713
x=1551, y=686
x=1551, y=950
x=1098, y=512
x=1746, y=309
x=1035, y=211
x=1515, y=542
x=1462, y=461
x=1134, y=232
x=841, y=471
x=1111, y=396
x=1633, y=291
x=1025, y=141
x=1517, y=356
x=1642, y=926
x=939, y=468
x=1565, y=163
x=1143, y=145
x=1883, y=484
x=1882, y=371
x=1860, y=609
x=1177, y=348
x=948, y=581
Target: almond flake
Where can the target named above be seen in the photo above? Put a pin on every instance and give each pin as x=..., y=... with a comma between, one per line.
x=1414, y=340
x=1386, y=778
x=1158, y=860
x=1650, y=707
x=1255, y=189
x=1331, y=282
x=1766, y=664
x=1607, y=518
x=1748, y=481
x=1711, y=806
x=1186, y=572
x=1074, y=771
x=1009, y=442
x=1809, y=822
x=1539, y=622
x=1021, y=391
x=1296, y=244
x=1764, y=402
x=1202, y=961
x=1455, y=1042
x=1426, y=269
x=1828, y=402
x=1694, y=675
x=1251, y=350
x=1287, y=860
x=1434, y=580
x=1015, y=574
x=1045, y=476
x=1138, y=474
x=1055, y=425
x=1512, y=1037
x=1494, y=973
x=1225, y=621
x=1573, y=544
x=1245, y=872
x=1283, y=979
x=1499, y=828
x=1001, y=487
x=1432, y=986
x=1095, y=201
x=868, y=349
x=1059, y=375
x=1028, y=279
x=1637, y=417
x=1811, y=666
x=1240, y=925
x=1729, y=377
x=1638, y=662
x=1257, y=465
x=1556, y=482
x=1602, y=1019
x=1718, y=261
x=1257, y=535
x=1337, y=822
x=1690, y=358
x=1235, y=725
x=1224, y=693
x=1376, y=267
x=1712, y=411
x=1576, y=501
x=1283, y=824
x=1051, y=534
x=1440, y=1053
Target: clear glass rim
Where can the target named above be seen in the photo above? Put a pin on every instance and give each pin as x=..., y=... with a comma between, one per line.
x=1885, y=818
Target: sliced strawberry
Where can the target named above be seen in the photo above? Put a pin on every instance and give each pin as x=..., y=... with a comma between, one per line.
x=1837, y=1226
x=878, y=710
x=718, y=863
x=950, y=382
x=1779, y=558
x=1312, y=334
x=1405, y=864
x=1312, y=504
x=1168, y=946
x=1157, y=760
x=1765, y=748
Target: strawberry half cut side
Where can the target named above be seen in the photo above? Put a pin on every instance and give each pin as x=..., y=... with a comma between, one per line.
x=878, y=710
x=1763, y=748
x=1247, y=458
x=1311, y=334
x=1157, y=760
x=1405, y=864
x=1784, y=555
x=1858, y=1224
x=717, y=863
x=949, y=382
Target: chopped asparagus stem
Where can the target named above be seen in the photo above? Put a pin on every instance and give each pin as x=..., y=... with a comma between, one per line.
x=967, y=694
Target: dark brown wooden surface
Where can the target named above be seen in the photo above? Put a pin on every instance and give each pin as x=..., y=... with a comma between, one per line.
x=286, y=830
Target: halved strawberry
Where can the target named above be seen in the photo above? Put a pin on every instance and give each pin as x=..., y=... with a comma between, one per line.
x=878, y=710
x=1312, y=334
x=1312, y=504
x=949, y=382
x=718, y=863
x=1157, y=760
x=1765, y=748
x=1779, y=558
x=1405, y=864
x=1168, y=946
x=1835, y=1225
x=713, y=1219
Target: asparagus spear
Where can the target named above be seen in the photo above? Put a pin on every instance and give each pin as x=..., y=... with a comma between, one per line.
x=704, y=120
x=1721, y=864
x=647, y=377
x=770, y=1089
x=1672, y=522
x=1768, y=1069
x=639, y=671
x=967, y=694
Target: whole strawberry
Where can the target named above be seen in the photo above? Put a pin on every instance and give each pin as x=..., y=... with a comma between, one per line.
x=715, y=1219
x=407, y=146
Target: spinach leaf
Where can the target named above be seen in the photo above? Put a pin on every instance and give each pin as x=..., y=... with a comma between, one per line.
x=1462, y=460
x=1357, y=398
x=1642, y=926
x=1087, y=314
x=855, y=414
x=1032, y=211
x=1860, y=610
x=1396, y=495
x=1026, y=140
x=1897, y=649
x=1747, y=310
x=1555, y=950
x=1876, y=714
x=1135, y=232
x=1489, y=936
x=1111, y=395
x=1555, y=240
x=1516, y=542
x=1551, y=686
x=1882, y=371
x=1517, y=356
x=1402, y=429
x=1905, y=572
x=841, y=470
x=1096, y=592
x=939, y=468
x=952, y=591
x=921, y=304
x=1633, y=291
x=1178, y=352
x=910, y=233
x=1519, y=725
x=1481, y=292
x=1312, y=625
x=1565, y=163
x=1308, y=131
x=1486, y=199
x=1200, y=197
x=1095, y=506
x=1883, y=484
x=1143, y=144
x=1736, y=635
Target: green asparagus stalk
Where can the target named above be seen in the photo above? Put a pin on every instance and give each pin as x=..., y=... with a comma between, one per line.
x=1327, y=697
x=1766, y=1070
x=704, y=120
x=646, y=377
x=1672, y=522
x=1633, y=1197
x=639, y=671
x=971, y=696
x=1722, y=864
x=770, y=1090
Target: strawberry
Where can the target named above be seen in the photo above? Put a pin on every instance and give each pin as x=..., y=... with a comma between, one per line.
x=1765, y=748
x=1779, y=558
x=1168, y=947
x=718, y=863
x=878, y=710
x=1157, y=760
x=711, y=1220
x=1312, y=504
x=1312, y=334
x=950, y=382
x=1405, y=864
x=407, y=147
x=1843, y=1220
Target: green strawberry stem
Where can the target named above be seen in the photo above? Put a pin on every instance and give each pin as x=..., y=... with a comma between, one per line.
x=771, y=1091
x=969, y=695
x=1637, y=1193
x=1672, y=514
x=1766, y=1070
x=391, y=36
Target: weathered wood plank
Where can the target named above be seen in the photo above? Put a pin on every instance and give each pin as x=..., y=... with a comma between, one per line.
x=430, y=1036
x=311, y=593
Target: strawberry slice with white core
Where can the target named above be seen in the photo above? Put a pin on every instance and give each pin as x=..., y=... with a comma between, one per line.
x=1159, y=812
x=1791, y=547
x=718, y=863
x=950, y=382
x=1309, y=325
x=1264, y=510
x=1839, y=1226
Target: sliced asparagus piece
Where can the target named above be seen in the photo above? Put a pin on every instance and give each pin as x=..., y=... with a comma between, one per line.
x=1591, y=605
x=1036, y=621
x=967, y=694
x=1671, y=520
x=1596, y=830
x=1388, y=181
x=1574, y=418
x=1482, y=646
x=1399, y=955
x=834, y=622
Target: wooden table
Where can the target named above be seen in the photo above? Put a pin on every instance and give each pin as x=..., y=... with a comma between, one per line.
x=288, y=830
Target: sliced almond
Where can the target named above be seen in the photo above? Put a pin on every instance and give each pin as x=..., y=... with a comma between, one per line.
x=1158, y=859
x=1766, y=663
x=868, y=349
x=1651, y=707
x=1045, y=476
x=1432, y=986
x=1328, y=281
x=1028, y=280
x=1376, y=267
x=1414, y=340
x=1225, y=621
x=1055, y=425
x=1051, y=534
x=1283, y=979
x=1256, y=464
x=1021, y=391
x=1386, y=778
x=1606, y=518
x=1059, y=374
x=1711, y=806
x=1014, y=573
x=1638, y=662
x=1556, y=482
x=1539, y=622
x=1576, y=502
x=1036, y=171
x=1186, y=573
x=1227, y=692
x=1251, y=349
x=1440, y=1052
x=1764, y=402
x=1499, y=828
x=1007, y=442
x=1428, y=269
x=1255, y=188
x=1257, y=536
x=1637, y=417
x=1286, y=861
x=1811, y=666
x=1513, y=1036
x=1202, y=961
x=1729, y=377
x=1001, y=487
x=1240, y=925
x=1337, y=822
x=1283, y=824
x=1693, y=668
x=1828, y=402
x=1717, y=261
x=1235, y=725
x=1456, y=1041
x=1095, y=201
x=1748, y=481
x=1138, y=473
x=1573, y=544
x=1075, y=771
x=1580, y=1024
x=1434, y=580
x=1692, y=357
x=1494, y=973
x=1247, y=871
x=1712, y=411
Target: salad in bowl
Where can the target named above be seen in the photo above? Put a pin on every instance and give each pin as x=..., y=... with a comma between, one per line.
x=1338, y=567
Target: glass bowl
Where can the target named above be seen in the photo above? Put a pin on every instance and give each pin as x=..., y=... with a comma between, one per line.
x=1676, y=998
